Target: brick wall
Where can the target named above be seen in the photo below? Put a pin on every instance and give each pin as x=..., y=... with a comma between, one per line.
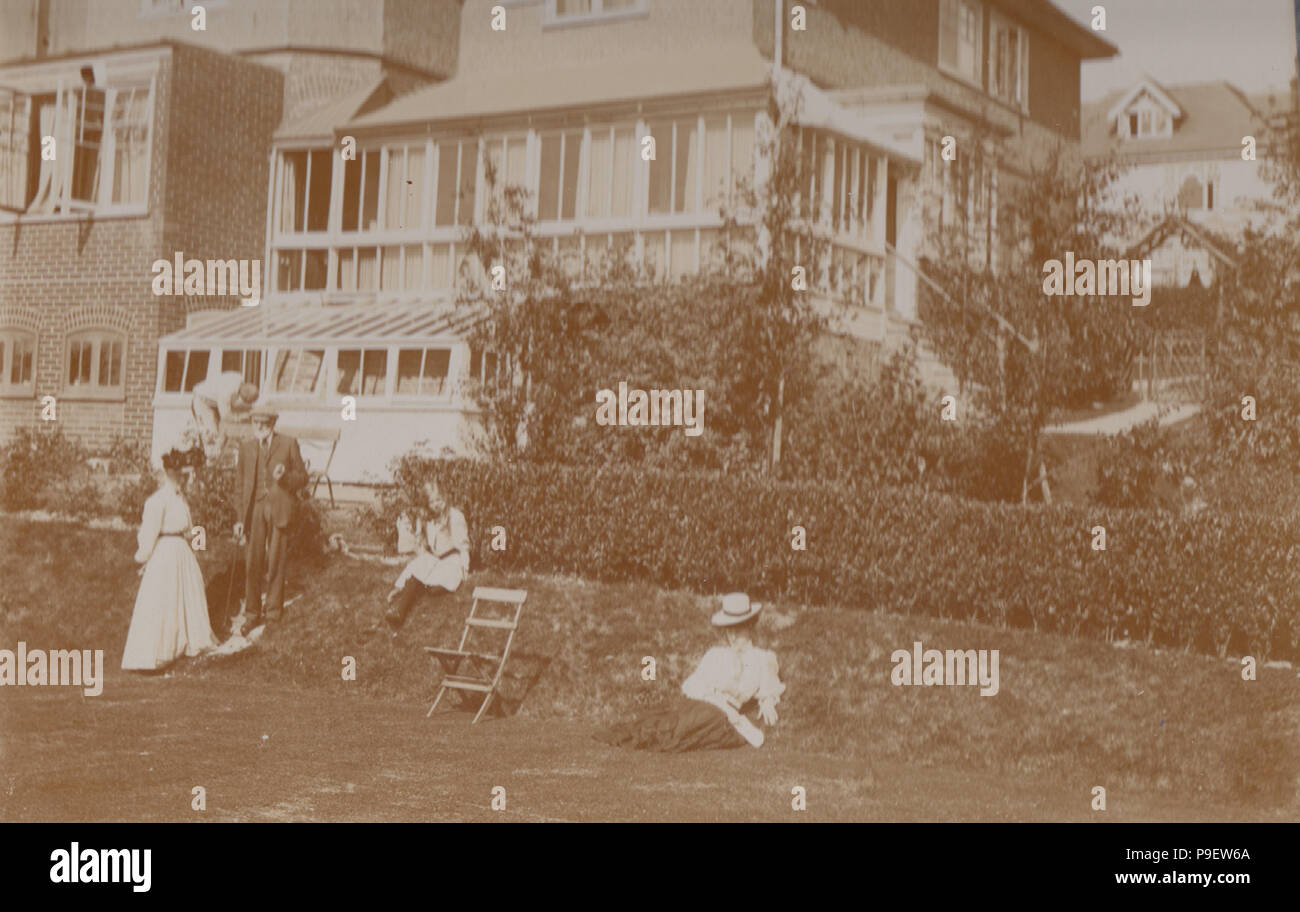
x=212, y=120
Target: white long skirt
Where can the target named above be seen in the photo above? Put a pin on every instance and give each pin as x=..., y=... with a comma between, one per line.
x=171, y=609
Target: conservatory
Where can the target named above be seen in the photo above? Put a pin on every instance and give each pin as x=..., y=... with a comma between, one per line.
x=408, y=368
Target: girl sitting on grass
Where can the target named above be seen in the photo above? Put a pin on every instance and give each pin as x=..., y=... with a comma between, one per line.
x=726, y=679
x=440, y=538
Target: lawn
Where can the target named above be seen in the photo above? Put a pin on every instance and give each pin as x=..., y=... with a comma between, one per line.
x=1170, y=736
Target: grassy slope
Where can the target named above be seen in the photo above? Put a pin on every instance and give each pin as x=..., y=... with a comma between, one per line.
x=1076, y=713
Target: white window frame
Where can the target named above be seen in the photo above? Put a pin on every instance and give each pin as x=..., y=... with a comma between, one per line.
x=424, y=348
x=9, y=335
x=93, y=389
x=65, y=205
x=185, y=369
x=322, y=377
x=554, y=19
x=954, y=69
x=1021, y=93
x=243, y=362
x=363, y=348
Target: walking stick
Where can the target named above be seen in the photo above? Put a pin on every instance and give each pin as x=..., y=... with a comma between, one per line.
x=230, y=579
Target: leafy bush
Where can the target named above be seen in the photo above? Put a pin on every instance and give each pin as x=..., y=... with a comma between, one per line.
x=36, y=461
x=1140, y=469
x=888, y=430
x=1213, y=584
x=1274, y=383
x=42, y=470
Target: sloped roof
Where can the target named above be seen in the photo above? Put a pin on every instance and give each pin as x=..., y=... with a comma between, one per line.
x=1216, y=116
x=319, y=123
x=722, y=68
x=1155, y=90
x=1189, y=232
x=328, y=324
x=1046, y=17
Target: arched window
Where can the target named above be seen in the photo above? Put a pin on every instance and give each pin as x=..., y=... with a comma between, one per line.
x=17, y=362
x=96, y=364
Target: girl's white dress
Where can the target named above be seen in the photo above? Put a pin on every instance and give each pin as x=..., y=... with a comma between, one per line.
x=171, y=608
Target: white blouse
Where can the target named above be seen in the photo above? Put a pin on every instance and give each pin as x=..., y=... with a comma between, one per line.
x=735, y=675
x=442, y=557
x=164, y=511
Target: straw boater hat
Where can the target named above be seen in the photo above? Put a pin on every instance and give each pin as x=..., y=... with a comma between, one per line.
x=736, y=609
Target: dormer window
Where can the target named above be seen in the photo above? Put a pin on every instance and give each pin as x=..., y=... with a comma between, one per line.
x=1148, y=123
x=582, y=12
x=1146, y=111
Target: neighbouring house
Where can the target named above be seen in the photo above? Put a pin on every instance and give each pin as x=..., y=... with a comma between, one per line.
x=126, y=137
x=560, y=101
x=1181, y=148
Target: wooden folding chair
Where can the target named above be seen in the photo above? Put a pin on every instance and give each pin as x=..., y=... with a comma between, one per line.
x=484, y=668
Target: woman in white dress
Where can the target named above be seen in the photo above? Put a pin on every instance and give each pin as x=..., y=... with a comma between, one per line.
x=171, y=608
x=726, y=679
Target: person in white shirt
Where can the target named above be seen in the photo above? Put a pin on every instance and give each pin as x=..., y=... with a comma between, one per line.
x=217, y=400
x=440, y=538
x=727, y=678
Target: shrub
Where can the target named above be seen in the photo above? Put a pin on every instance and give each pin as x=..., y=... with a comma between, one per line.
x=1140, y=468
x=34, y=462
x=889, y=430
x=1165, y=579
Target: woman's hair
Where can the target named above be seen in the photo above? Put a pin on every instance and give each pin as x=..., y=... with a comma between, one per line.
x=174, y=461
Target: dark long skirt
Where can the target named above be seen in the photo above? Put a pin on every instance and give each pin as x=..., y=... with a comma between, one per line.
x=682, y=726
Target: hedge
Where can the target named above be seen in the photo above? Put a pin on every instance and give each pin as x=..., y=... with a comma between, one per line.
x=1215, y=583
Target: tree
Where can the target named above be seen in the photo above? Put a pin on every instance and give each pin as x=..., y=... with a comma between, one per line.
x=562, y=331
x=1025, y=355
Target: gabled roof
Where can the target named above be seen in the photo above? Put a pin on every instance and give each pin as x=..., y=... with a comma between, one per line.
x=472, y=96
x=1188, y=231
x=1215, y=118
x=328, y=324
x=1152, y=88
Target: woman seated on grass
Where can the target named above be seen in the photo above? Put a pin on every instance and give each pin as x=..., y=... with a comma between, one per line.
x=727, y=678
x=440, y=538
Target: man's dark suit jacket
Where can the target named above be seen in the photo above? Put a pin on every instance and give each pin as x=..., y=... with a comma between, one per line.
x=285, y=452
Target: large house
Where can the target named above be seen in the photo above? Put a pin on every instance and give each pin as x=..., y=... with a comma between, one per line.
x=129, y=136
x=363, y=254
x=1181, y=150
x=559, y=102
